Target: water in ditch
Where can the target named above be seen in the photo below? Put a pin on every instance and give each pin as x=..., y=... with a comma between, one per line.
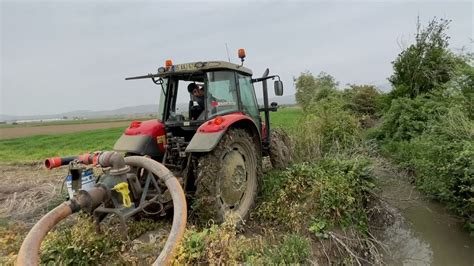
x=421, y=232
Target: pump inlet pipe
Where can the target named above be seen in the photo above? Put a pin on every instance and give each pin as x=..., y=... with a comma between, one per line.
x=93, y=198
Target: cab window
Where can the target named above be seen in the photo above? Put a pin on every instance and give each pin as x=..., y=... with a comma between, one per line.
x=247, y=97
x=221, y=93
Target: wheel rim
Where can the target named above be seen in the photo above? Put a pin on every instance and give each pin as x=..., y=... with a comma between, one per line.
x=233, y=181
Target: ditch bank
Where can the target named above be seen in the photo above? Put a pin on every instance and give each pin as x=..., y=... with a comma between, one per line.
x=323, y=213
x=301, y=216
x=415, y=230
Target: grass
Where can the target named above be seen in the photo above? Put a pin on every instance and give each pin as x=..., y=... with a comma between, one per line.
x=298, y=209
x=287, y=118
x=37, y=148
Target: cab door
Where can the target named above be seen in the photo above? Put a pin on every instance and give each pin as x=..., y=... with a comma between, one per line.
x=248, y=100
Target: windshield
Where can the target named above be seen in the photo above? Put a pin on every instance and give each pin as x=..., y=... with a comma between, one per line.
x=198, y=96
x=184, y=99
x=221, y=93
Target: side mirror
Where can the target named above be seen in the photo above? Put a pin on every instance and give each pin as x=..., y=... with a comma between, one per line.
x=278, y=86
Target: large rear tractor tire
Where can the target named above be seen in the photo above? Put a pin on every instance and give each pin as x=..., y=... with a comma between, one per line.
x=227, y=179
x=281, y=154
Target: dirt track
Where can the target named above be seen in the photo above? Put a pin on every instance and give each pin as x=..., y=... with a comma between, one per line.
x=18, y=132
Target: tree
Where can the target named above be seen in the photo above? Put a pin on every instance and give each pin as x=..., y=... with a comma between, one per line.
x=363, y=99
x=425, y=64
x=311, y=89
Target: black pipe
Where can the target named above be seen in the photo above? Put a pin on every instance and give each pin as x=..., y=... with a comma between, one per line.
x=54, y=162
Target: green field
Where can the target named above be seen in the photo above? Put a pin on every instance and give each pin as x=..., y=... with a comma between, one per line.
x=286, y=118
x=75, y=122
x=37, y=148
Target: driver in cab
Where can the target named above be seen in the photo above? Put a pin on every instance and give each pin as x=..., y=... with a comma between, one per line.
x=197, y=105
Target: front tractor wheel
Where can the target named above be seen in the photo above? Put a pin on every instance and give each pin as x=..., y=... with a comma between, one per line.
x=227, y=178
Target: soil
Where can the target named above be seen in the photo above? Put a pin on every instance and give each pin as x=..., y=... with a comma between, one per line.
x=18, y=132
x=28, y=190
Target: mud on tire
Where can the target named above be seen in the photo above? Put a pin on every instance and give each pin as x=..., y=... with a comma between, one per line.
x=280, y=153
x=227, y=178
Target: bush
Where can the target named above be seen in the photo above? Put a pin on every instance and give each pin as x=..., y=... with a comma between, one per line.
x=408, y=118
x=326, y=129
x=332, y=191
x=432, y=134
x=442, y=159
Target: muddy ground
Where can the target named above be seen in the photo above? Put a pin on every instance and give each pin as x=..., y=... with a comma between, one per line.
x=18, y=132
x=28, y=191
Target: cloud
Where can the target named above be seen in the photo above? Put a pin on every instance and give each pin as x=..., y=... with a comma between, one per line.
x=63, y=56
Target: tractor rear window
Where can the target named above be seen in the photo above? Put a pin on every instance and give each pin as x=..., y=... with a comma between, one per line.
x=221, y=93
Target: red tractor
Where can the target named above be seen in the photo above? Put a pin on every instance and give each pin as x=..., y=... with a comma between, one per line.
x=215, y=147
x=209, y=135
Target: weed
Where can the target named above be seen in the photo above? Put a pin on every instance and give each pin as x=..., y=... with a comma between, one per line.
x=327, y=132
x=79, y=244
x=292, y=249
x=331, y=192
x=213, y=245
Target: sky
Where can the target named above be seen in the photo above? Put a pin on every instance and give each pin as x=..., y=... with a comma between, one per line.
x=60, y=56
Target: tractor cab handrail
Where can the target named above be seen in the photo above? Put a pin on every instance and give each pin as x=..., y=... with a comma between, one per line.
x=264, y=78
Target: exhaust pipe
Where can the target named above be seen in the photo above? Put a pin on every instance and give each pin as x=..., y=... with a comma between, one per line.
x=89, y=200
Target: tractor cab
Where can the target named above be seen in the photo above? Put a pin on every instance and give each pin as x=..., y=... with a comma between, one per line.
x=191, y=96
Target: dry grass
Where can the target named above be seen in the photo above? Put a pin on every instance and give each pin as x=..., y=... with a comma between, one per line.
x=28, y=191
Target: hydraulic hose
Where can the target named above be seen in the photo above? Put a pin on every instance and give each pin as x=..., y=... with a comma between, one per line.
x=55, y=162
x=179, y=205
x=106, y=158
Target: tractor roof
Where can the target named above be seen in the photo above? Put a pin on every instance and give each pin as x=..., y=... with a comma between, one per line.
x=190, y=68
x=204, y=66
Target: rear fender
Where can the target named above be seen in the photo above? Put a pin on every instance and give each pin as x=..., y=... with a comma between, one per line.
x=210, y=133
x=144, y=138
